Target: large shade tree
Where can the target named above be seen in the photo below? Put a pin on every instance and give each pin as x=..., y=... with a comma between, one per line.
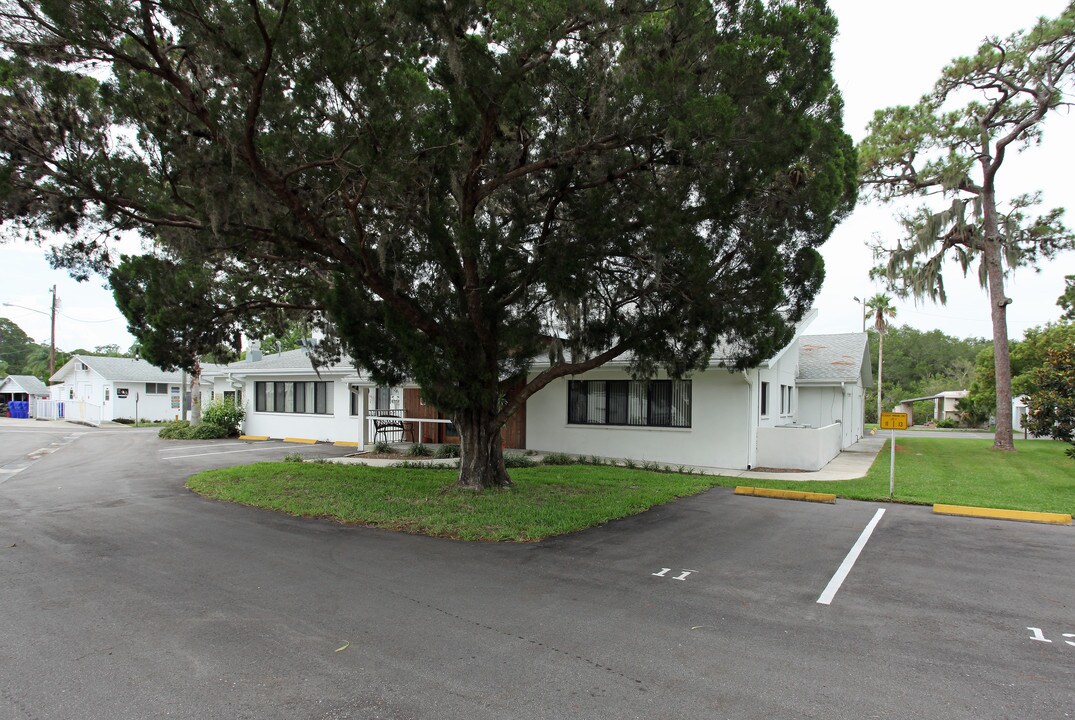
x=450, y=189
x=953, y=144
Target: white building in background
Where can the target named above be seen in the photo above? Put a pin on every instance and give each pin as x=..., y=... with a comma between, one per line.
x=774, y=415
x=797, y=409
x=117, y=387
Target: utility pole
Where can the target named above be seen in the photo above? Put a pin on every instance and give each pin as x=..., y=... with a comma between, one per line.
x=52, y=337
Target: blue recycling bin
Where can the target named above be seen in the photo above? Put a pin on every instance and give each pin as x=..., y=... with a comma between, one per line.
x=19, y=409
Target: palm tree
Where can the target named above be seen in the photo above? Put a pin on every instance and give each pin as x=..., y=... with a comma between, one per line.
x=880, y=308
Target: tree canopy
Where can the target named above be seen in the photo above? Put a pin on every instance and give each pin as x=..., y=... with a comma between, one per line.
x=1067, y=300
x=447, y=190
x=1051, y=406
x=952, y=144
x=15, y=348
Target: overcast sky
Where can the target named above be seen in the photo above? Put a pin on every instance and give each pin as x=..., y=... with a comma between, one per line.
x=886, y=54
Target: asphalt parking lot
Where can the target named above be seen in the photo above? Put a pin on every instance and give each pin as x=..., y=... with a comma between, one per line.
x=124, y=595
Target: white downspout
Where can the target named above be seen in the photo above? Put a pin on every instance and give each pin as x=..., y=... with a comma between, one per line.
x=752, y=448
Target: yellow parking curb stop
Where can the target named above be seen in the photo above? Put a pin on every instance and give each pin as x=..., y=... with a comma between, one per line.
x=786, y=494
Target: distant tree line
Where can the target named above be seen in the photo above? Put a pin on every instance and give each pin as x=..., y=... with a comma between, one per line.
x=920, y=363
x=21, y=355
x=923, y=363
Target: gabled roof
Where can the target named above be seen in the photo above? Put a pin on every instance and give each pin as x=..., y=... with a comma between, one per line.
x=117, y=369
x=23, y=383
x=833, y=359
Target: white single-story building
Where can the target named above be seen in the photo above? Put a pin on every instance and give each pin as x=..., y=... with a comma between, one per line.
x=22, y=387
x=284, y=396
x=116, y=387
x=834, y=373
x=769, y=416
x=796, y=410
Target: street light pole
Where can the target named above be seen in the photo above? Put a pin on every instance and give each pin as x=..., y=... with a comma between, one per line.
x=52, y=337
x=52, y=333
x=863, y=301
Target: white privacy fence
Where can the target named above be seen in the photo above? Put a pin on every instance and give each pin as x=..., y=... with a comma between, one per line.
x=78, y=411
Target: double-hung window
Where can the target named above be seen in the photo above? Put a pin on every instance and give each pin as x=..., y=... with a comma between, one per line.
x=653, y=403
x=293, y=397
x=156, y=388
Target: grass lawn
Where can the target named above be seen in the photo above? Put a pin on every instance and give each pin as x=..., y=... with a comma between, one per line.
x=544, y=501
x=547, y=501
x=960, y=472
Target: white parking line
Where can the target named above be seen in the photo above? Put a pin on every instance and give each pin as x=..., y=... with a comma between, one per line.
x=226, y=452
x=849, y=561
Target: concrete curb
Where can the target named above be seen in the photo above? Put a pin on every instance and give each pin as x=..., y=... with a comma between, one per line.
x=253, y=437
x=303, y=441
x=997, y=514
x=786, y=494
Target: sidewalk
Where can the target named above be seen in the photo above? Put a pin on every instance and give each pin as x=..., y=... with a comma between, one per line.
x=7, y=423
x=852, y=463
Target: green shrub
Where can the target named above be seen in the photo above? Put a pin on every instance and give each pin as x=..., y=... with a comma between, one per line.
x=225, y=414
x=382, y=447
x=208, y=431
x=559, y=458
x=418, y=450
x=183, y=430
x=175, y=430
x=447, y=451
x=293, y=457
x=946, y=423
x=515, y=460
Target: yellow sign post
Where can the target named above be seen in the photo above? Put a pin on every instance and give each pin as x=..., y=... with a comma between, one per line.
x=893, y=421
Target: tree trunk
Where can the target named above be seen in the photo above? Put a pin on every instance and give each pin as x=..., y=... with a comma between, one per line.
x=195, y=394
x=998, y=305
x=481, y=464
x=880, y=367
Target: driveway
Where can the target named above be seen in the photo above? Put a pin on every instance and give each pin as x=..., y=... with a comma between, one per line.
x=123, y=595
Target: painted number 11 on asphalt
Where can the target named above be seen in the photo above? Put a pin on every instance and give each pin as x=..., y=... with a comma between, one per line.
x=1040, y=637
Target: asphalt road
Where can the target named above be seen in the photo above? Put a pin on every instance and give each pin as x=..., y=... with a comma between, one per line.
x=123, y=595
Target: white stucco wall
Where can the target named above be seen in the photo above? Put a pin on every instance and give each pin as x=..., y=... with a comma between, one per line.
x=150, y=407
x=89, y=386
x=717, y=437
x=338, y=426
x=798, y=448
x=820, y=406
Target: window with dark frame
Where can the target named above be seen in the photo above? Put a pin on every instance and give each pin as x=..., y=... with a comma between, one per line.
x=764, y=399
x=292, y=397
x=653, y=403
x=156, y=388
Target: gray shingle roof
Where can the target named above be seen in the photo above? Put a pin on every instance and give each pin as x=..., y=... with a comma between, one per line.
x=120, y=369
x=287, y=360
x=835, y=358
x=26, y=384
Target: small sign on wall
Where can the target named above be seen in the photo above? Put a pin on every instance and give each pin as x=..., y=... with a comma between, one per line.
x=122, y=392
x=175, y=397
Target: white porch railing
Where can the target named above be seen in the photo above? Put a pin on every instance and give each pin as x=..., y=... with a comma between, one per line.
x=78, y=411
x=390, y=424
